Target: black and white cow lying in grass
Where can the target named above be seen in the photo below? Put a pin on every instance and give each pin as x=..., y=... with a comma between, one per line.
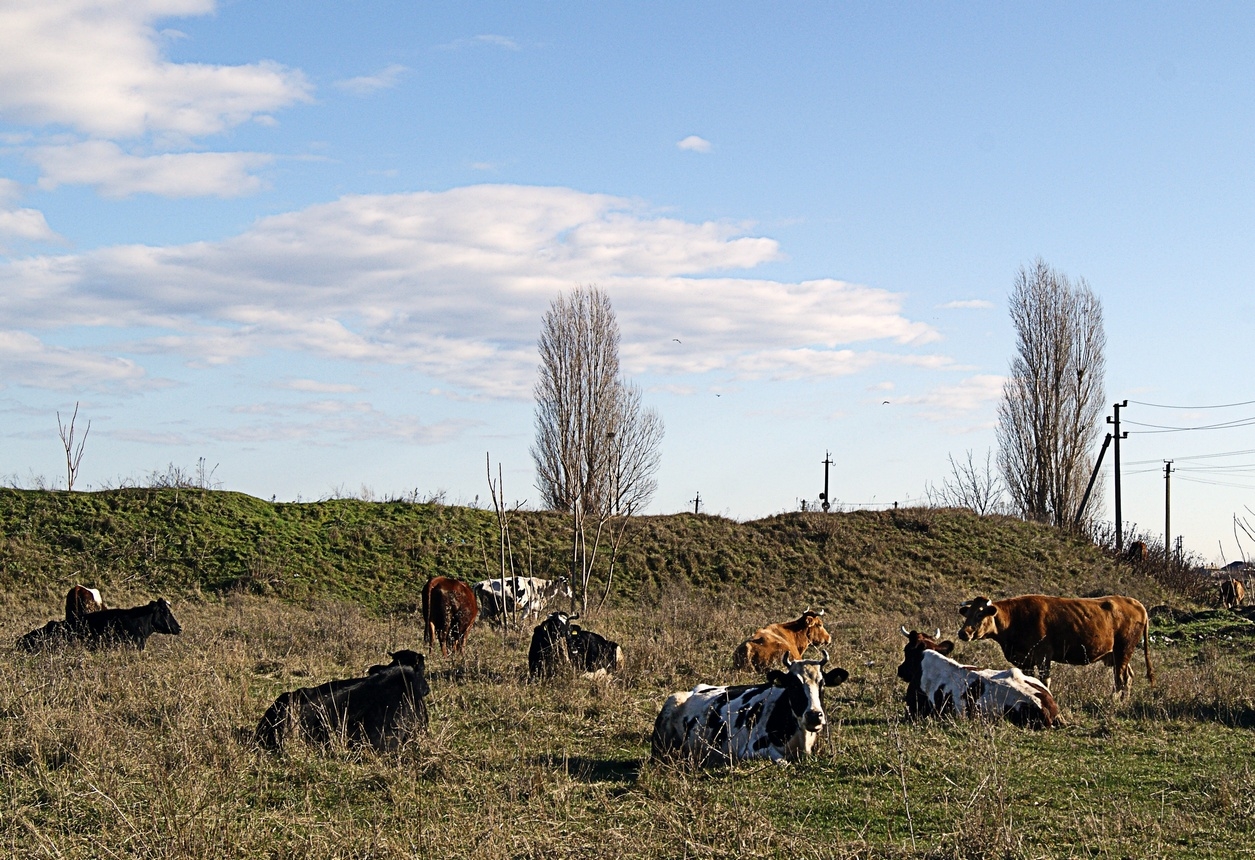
x=558, y=644
x=779, y=720
x=938, y=686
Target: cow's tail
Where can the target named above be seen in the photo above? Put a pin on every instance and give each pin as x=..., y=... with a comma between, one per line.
x=1150, y=672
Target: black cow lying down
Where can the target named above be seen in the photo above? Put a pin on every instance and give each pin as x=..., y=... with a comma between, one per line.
x=556, y=642
x=381, y=710
x=106, y=627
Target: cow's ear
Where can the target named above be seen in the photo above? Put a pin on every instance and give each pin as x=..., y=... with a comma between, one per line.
x=964, y=607
x=944, y=648
x=988, y=610
x=776, y=678
x=836, y=677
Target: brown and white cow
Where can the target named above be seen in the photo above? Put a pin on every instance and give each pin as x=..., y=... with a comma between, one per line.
x=938, y=686
x=1232, y=593
x=79, y=601
x=1035, y=630
x=770, y=644
x=449, y=610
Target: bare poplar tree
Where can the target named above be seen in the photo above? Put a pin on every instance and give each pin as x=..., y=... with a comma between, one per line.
x=73, y=453
x=1049, y=417
x=596, y=449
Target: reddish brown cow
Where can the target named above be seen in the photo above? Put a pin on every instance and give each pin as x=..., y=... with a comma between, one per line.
x=1232, y=593
x=1137, y=551
x=79, y=601
x=1035, y=630
x=769, y=644
x=449, y=610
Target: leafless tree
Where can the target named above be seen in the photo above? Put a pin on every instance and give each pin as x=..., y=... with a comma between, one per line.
x=1052, y=401
x=596, y=449
x=73, y=453
x=970, y=485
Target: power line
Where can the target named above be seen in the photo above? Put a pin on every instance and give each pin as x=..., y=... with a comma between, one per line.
x=1198, y=457
x=1217, y=406
x=1163, y=428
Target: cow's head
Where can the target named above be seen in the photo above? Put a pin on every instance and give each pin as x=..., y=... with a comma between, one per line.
x=978, y=619
x=815, y=630
x=562, y=588
x=163, y=618
x=803, y=682
x=913, y=658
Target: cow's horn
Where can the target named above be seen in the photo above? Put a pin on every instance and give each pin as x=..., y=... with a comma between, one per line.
x=905, y=632
x=821, y=612
x=824, y=661
x=937, y=635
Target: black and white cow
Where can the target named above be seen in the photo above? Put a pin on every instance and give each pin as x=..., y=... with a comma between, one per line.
x=779, y=720
x=380, y=710
x=529, y=594
x=559, y=644
x=938, y=686
x=134, y=625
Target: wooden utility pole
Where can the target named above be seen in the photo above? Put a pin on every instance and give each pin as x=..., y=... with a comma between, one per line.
x=1167, y=510
x=697, y=502
x=1117, y=436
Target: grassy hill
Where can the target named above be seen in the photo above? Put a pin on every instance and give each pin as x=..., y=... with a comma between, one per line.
x=376, y=553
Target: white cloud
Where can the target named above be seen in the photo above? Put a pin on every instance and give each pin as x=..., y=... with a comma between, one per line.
x=95, y=66
x=483, y=39
x=454, y=283
x=316, y=387
x=693, y=143
x=26, y=225
x=369, y=84
x=114, y=173
x=948, y=402
x=27, y=361
x=963, y=304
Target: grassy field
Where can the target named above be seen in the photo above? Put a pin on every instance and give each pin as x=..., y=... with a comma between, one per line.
x=126, y=753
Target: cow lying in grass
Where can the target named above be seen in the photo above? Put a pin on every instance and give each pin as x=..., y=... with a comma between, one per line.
x=105, y=627
x=938, y=686
x=559, y=644
x=779, y=720
x=380, y=710
x=771, y=644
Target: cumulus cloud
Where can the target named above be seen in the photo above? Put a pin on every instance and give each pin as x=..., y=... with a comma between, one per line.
x=27, y=361
x=693, y=143
x=95, y=66
x=454, y=283
x=24, y=225
x=114, y=173
x=964, y=304
x=369, y=84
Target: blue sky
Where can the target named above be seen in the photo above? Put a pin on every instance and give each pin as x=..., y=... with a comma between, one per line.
x=312, y=242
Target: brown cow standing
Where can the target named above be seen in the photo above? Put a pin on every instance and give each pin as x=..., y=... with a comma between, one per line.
x=1035, y=630
x=1137, y=552
x=449, y=610
x=1232, y=593
x=769, y=644
x=79, y=601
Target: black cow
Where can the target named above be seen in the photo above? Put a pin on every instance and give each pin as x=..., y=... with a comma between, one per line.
x=134, y=625
x=381, y=710
x=557, y=642
x=51, y=634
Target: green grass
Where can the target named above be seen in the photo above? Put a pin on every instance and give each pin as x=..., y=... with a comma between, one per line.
x=123, y=753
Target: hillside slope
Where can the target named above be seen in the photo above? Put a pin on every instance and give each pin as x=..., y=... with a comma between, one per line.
x=378, y=553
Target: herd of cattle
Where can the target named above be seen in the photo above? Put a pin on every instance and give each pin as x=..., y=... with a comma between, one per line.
x=779, y=718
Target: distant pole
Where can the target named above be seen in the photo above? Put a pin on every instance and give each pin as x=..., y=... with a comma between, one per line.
x=697, y=502
x=1116, y=437
x=1167, y=509
x=824, y=495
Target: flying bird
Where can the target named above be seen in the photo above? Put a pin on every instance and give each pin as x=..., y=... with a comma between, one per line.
x=884, y=403
x=677, y=340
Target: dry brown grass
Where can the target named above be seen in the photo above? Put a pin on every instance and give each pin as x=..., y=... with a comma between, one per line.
x=123, y=753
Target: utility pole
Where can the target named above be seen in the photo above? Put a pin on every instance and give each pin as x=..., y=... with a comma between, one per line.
x=1093, y=476
x=697, y=503
x=1117, y=436
x=824, y=494
x=1167, y=510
